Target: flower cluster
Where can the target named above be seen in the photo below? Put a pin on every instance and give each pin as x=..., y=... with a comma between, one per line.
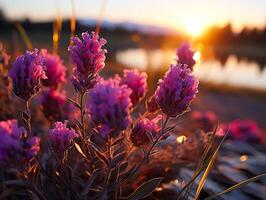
x=137, y=82
x=88, y=57
x=245, y=130
x=109, y=110
x=176, y=90
x=52, y=103
x=144, y=131
x=109, y=106
x=14, y=145
x=61, y=137
x=55, y=69
x=185, y=56
x=205, y=120
x=27, y=72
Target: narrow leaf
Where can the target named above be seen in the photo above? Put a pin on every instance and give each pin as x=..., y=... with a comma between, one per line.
x=208, y=169
x=145, y=189
x=77, y=105
x=79, y=149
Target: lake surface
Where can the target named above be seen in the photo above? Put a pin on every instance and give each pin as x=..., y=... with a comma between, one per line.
x=233, y=71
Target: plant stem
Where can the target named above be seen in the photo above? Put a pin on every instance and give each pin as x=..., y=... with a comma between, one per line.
x=83, y=131
x=147, y=155
x=109, y=157
x=27, y=120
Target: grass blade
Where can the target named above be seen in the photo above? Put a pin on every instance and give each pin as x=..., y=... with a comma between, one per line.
x=24, y=36
x=208, y=169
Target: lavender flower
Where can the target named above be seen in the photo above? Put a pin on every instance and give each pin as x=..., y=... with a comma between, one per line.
x=245, y=130
x=52, y=103
x=55, y=69
x=139, y=134
x=176, y=90
x=205, y=120
x=137, y=82
x=32, y=147
x=61, y=137
x=88, y=57
x=109, y=106
x=26, y=73
x=185, y=55
x=14, y=145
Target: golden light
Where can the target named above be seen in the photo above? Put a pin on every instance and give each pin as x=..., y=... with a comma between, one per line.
x=243, y=158
x=197, y=56
x=194, y=27
x=159, y=189
x=176, y=182
x=181, y=139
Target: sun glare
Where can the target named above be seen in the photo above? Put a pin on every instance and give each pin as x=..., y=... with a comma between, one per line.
x=194, y=28
x=197, y=56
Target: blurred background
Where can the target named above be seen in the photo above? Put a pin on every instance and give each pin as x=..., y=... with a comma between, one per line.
x=229, y=39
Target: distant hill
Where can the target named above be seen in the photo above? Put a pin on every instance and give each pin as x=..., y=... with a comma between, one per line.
x=130, y=26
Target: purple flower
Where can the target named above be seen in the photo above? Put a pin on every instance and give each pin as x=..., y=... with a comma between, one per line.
x=14, y=145
x=52, y=102
x=139, y=134
x=26, y=73
x=245, y=130
x=109, y=106
x=205, y=120
x=185, y=55
x=32, y=147
x=61, y=137
x=176, y=90
x=55, y=69
x=137, y=82
x=88, y=57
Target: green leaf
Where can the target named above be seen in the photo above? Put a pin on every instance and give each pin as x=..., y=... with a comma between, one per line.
x=145, y=189
x=237, y=186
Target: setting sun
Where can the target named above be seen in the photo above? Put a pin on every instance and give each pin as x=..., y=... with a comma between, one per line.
x=194, y=27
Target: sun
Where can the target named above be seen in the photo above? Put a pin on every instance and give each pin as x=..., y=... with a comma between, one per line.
x=194, y=28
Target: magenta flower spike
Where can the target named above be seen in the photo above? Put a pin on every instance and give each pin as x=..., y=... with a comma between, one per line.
x=205, y=120
x=137, y=82
x=88, y=57
x=185, y=56
x=109, y=106
x=27, y=72
x=52, y=102
x=176, y=90
x=61, y=137
x=55, y=69
x=245, y=130
x=14, y=145
x=139, y=134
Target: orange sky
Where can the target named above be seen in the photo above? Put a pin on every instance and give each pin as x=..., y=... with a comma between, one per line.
x=189, y=16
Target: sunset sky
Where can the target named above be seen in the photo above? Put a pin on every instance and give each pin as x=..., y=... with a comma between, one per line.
x=184, y=15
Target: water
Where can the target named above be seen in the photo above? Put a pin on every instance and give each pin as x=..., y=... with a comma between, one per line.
x=233, y=72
